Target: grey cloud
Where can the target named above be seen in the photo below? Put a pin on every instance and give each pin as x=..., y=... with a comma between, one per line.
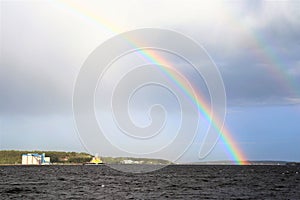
x=40, y=57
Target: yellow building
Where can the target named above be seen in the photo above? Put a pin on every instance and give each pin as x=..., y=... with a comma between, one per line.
x=96, y=160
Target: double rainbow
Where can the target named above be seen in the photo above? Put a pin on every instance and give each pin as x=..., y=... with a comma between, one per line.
x=234, y=151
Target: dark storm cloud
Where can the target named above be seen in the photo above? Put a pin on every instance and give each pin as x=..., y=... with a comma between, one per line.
x=259, y=79
x=265, y=71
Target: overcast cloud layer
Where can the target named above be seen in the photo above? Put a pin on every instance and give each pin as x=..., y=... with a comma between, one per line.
x=43, y=45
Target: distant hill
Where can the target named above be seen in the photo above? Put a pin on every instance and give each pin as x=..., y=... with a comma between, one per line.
x=234, y=163
x=15, y=157
x=130, y=160
x=57, y=157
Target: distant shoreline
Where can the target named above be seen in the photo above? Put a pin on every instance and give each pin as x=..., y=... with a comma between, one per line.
x=13, y=158
x=183, y=164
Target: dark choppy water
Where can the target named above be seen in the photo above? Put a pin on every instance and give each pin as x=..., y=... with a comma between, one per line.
x=183, y=182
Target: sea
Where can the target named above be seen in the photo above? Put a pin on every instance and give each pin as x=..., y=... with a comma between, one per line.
x=171, y=182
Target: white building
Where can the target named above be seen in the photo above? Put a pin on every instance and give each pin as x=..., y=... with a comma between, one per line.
x=131, y=162
x=35, y=159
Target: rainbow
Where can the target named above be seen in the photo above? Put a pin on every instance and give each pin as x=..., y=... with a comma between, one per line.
x=234, y=151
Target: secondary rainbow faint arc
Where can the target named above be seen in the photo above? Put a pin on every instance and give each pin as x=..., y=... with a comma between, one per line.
x=235, y=152
x=267, y=55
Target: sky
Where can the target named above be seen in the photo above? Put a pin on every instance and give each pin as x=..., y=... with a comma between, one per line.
x=254, y=44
